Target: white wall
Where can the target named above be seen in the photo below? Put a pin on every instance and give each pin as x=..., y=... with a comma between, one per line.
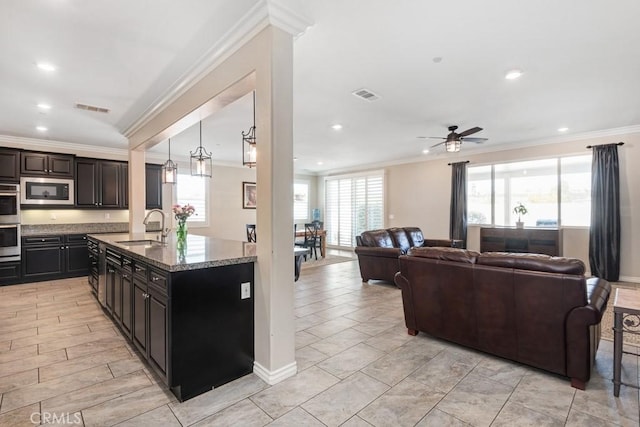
x=419, y=194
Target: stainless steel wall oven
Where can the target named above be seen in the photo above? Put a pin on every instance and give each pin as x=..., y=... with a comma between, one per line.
x=9, y=222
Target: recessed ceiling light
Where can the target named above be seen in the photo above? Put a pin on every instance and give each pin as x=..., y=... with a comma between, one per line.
x=425, y=151
x=320, y=163
x=44, y=106
x=337, y=126
x=563, y=129
x=513, y=74
x=45, y=66
x=42, y=128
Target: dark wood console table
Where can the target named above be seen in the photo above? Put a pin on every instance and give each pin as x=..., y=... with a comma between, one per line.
x=525, y=240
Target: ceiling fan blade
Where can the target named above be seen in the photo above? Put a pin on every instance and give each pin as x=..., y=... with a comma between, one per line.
x=469, y=131
x=439, y=143
x=476, y=140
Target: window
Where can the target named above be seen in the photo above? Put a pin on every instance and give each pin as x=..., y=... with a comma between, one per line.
x=555, y=191
x=193, y=190
x=353, y=204
x=300, y=201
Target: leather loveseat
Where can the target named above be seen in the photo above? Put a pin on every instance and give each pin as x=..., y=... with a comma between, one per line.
x=378, y=250
x=530, y=308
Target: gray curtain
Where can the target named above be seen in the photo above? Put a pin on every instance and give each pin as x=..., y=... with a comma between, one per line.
x=604, y=234
x=458, y=212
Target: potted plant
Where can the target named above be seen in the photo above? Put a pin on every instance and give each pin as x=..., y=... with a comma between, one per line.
x=520, y=209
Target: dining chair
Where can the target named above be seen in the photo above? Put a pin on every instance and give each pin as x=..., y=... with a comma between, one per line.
x=311, y=239
x=251, y=233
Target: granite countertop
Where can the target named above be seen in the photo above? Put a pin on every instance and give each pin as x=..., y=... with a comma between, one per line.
x=84, y=228
x=199, y=251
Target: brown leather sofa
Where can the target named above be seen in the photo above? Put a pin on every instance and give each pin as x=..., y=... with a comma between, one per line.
x=530, y=308
x=378, y=250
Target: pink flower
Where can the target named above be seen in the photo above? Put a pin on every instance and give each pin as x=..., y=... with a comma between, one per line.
x=183, y=212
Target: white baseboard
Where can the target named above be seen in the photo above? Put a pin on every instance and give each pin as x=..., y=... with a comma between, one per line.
x=274, y=377
x=629, y=279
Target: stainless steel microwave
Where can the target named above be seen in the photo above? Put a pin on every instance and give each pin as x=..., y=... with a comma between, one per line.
x=46, y=191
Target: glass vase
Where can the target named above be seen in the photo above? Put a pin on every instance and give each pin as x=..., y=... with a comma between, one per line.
x=181, y=232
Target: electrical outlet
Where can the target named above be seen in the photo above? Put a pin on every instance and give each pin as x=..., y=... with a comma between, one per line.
x=245, y=290
x=107, y=216
x=53, y=216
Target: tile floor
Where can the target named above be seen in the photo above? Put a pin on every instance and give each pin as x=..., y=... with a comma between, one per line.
x=357, y=367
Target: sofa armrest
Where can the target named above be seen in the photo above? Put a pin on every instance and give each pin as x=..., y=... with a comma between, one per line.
x=378, y=252
x=407, y=303
x=583, y=332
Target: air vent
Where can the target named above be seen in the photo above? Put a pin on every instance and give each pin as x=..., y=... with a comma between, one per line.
x=365, y=94
x=92, y=108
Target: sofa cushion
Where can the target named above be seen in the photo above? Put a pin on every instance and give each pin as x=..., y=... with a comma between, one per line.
x=416, y=238
x=377, y=238
x=535, y=262
x=445, y=254
x=400, y=239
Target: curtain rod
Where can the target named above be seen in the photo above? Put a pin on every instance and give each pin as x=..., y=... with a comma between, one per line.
x=449, y=164
x=591, y=146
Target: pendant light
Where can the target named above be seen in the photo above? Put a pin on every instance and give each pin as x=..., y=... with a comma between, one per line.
x=201, y=163
x=249, y=140
x=169, y=170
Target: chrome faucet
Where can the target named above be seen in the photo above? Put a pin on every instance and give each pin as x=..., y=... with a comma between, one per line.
x=164, y=231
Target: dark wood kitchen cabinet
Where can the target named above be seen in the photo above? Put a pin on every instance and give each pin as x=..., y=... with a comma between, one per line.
x=10, y=273
x=153, y=184
x=46, y=164
x=193, y=327
x=99, y=184
x=49, y=257
x=43, y=257
x=9, y=165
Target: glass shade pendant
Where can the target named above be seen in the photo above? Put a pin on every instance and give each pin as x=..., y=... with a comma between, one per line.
x=249, y=141
x=200, y=162
x=452, y=146
x=169, y=170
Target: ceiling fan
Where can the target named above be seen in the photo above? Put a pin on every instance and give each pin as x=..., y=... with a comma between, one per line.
x=453, y=140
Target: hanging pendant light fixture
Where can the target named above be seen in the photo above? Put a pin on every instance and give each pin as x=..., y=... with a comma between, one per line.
x=201, y=163
x=249, y=140
x=169, y=170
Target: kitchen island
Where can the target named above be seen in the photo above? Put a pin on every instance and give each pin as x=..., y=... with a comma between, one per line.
x=188, y=309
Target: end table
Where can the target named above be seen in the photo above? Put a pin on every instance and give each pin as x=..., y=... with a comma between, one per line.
x=626, y=318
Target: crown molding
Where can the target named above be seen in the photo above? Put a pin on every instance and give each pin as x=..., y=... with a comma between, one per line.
x=263, y=13
x=59, y=146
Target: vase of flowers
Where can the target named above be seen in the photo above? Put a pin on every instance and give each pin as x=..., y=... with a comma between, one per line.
x=181, y=214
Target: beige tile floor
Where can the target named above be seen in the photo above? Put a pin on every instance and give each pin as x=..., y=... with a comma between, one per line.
x=357, y=367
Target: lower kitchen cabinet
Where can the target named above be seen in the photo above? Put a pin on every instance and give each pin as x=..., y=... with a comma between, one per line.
x=10, y=273
x=49, y=257
x=43, y=258
x=192, y=327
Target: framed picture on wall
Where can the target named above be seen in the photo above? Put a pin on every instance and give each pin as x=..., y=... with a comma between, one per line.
x=249, y=195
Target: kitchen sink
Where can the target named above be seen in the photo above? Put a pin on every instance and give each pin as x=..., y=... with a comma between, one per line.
x=147, y=242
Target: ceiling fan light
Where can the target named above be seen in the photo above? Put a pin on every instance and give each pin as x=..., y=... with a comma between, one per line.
x=452, y=146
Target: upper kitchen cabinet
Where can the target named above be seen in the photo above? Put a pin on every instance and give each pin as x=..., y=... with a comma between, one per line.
x=99, y=184
x=48, y=164
x=153, y=182
x=9, y=165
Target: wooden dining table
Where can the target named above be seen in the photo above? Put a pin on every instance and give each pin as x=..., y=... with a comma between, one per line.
x=322, y=234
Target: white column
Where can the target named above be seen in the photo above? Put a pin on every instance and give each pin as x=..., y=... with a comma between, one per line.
x=274, y=317
x=137, y=193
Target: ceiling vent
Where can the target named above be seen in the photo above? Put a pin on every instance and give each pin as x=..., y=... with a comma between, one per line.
x=365, y=94
x=92, y=108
